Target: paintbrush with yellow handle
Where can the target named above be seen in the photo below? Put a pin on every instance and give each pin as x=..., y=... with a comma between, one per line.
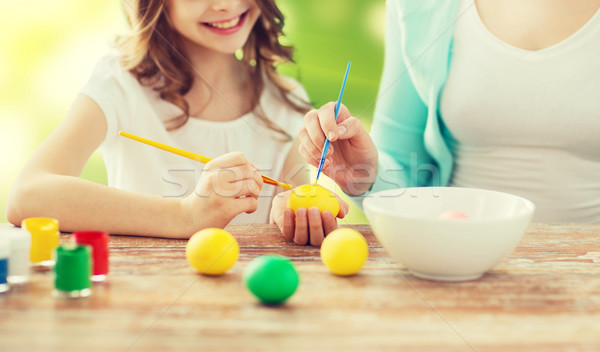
x=192, y=156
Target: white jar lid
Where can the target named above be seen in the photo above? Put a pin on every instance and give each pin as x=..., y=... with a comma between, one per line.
x=4, y=248
x=19, y=238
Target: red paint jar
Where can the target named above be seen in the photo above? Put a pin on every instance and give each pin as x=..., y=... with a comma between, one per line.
x=98, y=240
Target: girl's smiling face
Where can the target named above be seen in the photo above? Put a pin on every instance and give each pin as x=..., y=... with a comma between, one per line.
x=221, y=26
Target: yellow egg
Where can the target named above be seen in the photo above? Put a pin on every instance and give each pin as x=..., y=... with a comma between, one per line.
x=212, y=251
x=307, y=196
x=344, y=251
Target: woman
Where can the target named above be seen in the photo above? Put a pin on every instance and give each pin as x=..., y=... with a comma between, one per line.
x=486, y=94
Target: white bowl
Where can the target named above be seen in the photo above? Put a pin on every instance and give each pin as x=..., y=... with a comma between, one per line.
x=406, y=222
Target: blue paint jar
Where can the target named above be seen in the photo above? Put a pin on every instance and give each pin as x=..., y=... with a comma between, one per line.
x=4, y=254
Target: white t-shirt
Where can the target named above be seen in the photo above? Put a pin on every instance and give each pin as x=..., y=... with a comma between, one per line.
x=131, y=165
x=527, y=122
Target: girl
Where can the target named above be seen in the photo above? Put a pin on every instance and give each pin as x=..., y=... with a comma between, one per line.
x=175, y=80
x=499, y=95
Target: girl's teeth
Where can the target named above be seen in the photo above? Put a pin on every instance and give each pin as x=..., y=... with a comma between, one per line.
x=225, y=25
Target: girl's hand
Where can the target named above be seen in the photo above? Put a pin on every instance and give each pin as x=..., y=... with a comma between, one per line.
x=229, y=186
x=352, y=156
x=308, y=226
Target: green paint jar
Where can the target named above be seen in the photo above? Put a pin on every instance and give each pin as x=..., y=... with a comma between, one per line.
x=73, y=271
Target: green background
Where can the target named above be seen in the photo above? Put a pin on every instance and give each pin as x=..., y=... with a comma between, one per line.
x=49, y=48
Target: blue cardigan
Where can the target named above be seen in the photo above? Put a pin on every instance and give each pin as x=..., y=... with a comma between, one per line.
x=413, y=144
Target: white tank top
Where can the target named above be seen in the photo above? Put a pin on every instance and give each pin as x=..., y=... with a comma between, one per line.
x=527, y=122
x=134, y=166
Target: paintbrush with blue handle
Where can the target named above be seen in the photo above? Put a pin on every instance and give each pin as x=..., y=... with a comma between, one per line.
x=337, y=109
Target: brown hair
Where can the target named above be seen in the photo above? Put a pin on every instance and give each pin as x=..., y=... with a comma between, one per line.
x=152, y=54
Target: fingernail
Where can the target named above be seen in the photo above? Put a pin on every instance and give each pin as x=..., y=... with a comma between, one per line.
x=330, y=135
x=342, y=130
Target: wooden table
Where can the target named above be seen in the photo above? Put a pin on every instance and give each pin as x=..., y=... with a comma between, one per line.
x=544, y=297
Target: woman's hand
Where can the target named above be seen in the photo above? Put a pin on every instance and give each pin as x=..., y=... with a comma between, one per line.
x=307, y=226
x=352, y=156
x=229, y=186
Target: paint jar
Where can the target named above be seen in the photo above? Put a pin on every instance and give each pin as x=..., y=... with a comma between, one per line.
x=44, y=240
x=73, y=271
x=98, y=240
x=4, y=254
x=20, y=246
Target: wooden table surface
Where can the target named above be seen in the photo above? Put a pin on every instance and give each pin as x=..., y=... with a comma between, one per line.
x=544, y=297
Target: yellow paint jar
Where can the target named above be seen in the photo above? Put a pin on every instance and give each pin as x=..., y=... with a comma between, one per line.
x=44, y=240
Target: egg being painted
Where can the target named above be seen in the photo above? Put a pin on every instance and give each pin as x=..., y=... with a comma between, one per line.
x=307, y=196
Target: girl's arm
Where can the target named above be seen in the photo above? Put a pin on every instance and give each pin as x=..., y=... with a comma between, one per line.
x=49, y=185
x=308, y=226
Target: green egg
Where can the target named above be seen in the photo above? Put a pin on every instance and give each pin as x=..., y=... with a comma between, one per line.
x=271, y=278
